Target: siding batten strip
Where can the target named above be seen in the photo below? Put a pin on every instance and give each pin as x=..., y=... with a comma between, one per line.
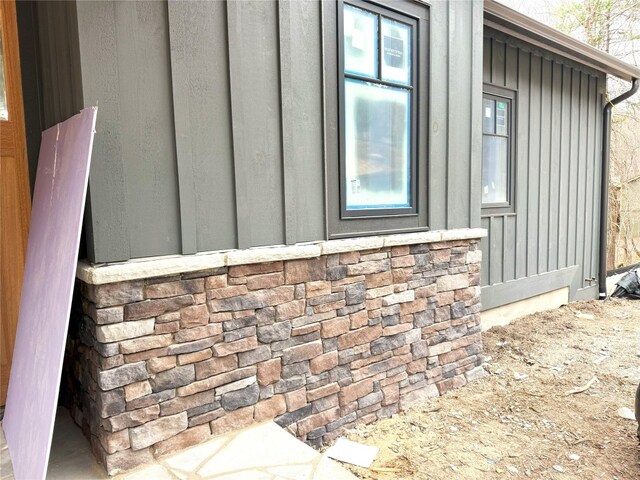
x=181, y=123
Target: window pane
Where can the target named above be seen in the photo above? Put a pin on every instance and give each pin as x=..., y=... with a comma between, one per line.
x=495, y=156
x=502, y=117
x=396, y=52
x=488, y=115
x=360, y=42
x=377, y=160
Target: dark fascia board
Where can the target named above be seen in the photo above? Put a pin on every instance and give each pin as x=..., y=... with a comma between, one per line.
x=511, y=22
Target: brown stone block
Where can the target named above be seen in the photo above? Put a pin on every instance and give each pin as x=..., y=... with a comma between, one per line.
x=349, y=258
x=403, y=262
x=412, y=307
x=269, y=372
x=146, y=355
x=355, y=391
x=194, y=316
x=235, y=420
x=169, y=327
x=319, y=419
x=318, y=288
x=401, y=327
x=229, y=348
x=113, y=442
x=267, y=280
x=157, y=430
x=126, y=460
x=452, y=356
x=359, y=319
x=216, y=381
x=324, y=391
x=397, y=378
x=131, y=419
x=120, y=293
x=302, y=352
x=191, y=436
x=417, y=366
x=194, y=357
x=254, y=269
x=216, y=366
x=451, y=383
x=270, y=408
x=391, y=394
x=400, y=250
x=154, y=308
x=335, y=326
x=220, y=317
x=215, y=281
x=137, y=390
x=306, y=329
x=305, y=270
x=296, y=399
x=427, y=291
x=324, y=362
x=174, y=289
x=289, y=310
x=327, y=307
x=445, y=298
x=227, y=292
x=197, y=333
x=376, y=280
x=402, y=275
x=359, y=337
x=182, y=404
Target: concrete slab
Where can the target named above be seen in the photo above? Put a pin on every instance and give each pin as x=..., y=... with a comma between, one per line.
x=262, y=451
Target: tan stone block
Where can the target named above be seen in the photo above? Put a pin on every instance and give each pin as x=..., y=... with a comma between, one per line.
x=452, y=356
x=169, y=327
x=324, y=362
x=145, y=343
x=359, y=319
x=441, y=256
x=194, y=357
x=400, y=250
x=335, y=326
x=116, y=332
x=402, y=275
x=286, y=311
x=157, y=430
x=403, y=262
x=299, y=353
x=113, y=442
x=220, y=317
x=126, y=460
x=439, y=349
x=417, y=366
x=305, y=270
x=137, y=390
x=174, y=289
x=453, y=282
x=131, y=419
x=216, y=366
x=451, y=383
x=269, y=372
x=305, y=329
x=216, y=381
x=270, y=408
x=145, y=355
x=418, y=305
x=319, y=419
x=317, y=288
x=267, y=280
x=359, y=337
x=391, y=394
x=427, y=291
x=296, y=399
x=215, y=281
x=235, y=420
x=155, y=308
x=191, y=436
x=194, y=316
x=197, y=333
x=182, y=404
x=229, y=348
x=349, y=258
x=227, y=292
x=327, y=307
x=392, y=330
x=157, y=365
x=254, y=269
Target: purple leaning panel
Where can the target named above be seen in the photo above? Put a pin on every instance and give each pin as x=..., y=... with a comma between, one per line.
x=45, y=304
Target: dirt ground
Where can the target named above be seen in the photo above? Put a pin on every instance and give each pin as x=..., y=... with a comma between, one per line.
x=520, y=421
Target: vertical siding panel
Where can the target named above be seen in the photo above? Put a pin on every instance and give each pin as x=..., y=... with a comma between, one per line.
x=201, y=99
x=600, y=83
x=574, y=166
x=511, y=68
x=533, y=179
x=255, y=103
x=301, y=92
x=475, y=126
x=582, y=177
x=498, y=57
x=487, y=44
x=107, y=189
x=485, y=223
x=509, y=253
x=554, y=170
x=590, y=174
x=460, y=72
x=543, y=173
x=564, y=178
x=522, y=158
x=496, y=249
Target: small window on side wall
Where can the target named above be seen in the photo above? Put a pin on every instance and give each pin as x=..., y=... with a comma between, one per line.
x=498, y=150
x=378, y=98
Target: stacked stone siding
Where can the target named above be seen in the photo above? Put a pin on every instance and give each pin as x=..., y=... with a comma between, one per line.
x=317, y=344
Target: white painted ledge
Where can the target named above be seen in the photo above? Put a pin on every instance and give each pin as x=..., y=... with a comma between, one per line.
x=98, y=274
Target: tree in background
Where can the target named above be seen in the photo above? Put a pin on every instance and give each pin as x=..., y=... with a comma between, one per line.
x=614, y=27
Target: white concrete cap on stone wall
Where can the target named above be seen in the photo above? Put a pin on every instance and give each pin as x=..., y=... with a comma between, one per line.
x=174, y=264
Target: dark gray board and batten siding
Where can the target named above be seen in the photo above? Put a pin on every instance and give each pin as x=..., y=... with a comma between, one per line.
x=550, y=241
x=212, y=121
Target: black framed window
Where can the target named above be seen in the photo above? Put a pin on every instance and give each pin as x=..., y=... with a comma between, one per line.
x=498, y=150
x=378, y=85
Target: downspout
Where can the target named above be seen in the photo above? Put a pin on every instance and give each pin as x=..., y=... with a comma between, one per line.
x=604, y=185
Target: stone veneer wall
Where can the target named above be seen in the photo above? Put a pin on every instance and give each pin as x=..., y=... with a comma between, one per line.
x=317, y=344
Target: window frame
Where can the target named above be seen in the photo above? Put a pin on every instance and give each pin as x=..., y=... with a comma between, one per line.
x=413, y=88
x=510, y=96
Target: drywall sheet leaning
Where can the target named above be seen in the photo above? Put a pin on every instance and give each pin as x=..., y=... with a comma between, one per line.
x=45, y=305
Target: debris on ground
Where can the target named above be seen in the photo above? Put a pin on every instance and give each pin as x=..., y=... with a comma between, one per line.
x=502, y=427
x=352, y=452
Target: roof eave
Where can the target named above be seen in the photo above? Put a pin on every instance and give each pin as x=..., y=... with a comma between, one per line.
x=516, y=24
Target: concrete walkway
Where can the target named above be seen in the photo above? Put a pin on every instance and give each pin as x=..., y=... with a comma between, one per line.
x=261, y=452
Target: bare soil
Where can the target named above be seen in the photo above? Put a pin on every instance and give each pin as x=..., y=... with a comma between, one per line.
x=520, y=420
